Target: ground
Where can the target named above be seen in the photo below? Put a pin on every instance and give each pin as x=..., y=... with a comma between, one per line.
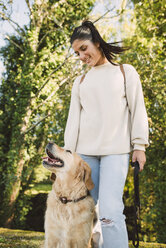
x=29, y=239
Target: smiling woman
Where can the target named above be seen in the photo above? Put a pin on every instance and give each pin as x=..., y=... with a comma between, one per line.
x=107, y=120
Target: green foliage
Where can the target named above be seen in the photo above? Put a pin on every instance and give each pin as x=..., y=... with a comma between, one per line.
x=35, y=96
x=148, y=56
x=32, y=98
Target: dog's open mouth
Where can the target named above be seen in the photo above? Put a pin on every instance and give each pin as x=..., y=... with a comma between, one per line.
x=51, y=160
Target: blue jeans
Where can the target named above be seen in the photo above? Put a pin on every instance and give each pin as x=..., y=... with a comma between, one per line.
x=109, y=174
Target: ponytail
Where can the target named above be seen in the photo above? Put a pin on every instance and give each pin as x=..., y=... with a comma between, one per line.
x=87, y=31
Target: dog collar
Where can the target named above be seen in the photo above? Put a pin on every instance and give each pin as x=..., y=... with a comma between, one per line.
x=64, y=199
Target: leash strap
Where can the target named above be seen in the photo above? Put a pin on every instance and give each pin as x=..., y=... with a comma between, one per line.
x=135, y=238
x=123, y=72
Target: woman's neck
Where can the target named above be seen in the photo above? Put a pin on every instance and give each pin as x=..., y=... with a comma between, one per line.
x=101, y=61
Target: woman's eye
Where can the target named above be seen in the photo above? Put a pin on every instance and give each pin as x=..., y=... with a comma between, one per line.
x=84, y=48
x=68, y=151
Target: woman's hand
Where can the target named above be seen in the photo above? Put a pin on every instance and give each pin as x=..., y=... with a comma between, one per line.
x=140, y=157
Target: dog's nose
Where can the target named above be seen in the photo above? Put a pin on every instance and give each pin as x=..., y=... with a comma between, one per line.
x=49, y=145
x=51, y=142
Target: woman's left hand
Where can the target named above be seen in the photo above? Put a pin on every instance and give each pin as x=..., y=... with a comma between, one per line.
x=139, y=156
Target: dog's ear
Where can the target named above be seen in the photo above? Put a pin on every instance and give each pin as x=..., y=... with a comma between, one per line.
x=53, y=177
x=87, y=176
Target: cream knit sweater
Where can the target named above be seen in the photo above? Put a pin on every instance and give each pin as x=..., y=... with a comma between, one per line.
x=100, y=120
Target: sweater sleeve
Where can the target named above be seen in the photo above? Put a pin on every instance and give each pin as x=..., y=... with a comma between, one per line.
x=72, y=125
x=139, y=119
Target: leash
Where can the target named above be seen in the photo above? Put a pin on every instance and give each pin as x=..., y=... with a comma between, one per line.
x=135, y=235
x=135, y=238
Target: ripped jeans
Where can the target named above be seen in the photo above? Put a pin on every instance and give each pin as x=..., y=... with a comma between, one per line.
x=109, y=174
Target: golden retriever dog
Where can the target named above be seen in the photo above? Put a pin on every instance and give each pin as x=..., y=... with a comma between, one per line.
x=70, y=208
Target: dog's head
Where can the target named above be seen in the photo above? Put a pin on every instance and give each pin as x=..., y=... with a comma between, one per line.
x=60, y=162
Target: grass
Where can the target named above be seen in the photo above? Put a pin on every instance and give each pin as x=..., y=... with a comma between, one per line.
x=148, y=245
x=42, y=183
x=39, y=188
x=10, y=238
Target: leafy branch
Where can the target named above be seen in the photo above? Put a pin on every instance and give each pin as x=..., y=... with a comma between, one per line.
x=7, y=37
x=37, y=123
x=29, y=6
x=49, y=77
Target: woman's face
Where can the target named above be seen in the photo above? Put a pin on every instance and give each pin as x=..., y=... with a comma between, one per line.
x=88, y=52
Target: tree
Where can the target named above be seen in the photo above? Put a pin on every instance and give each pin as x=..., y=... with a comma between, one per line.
x=36, y=70
x=148, y=57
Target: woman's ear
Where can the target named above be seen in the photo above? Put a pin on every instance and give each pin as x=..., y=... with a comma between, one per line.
x=87, y=176
x=97, y=44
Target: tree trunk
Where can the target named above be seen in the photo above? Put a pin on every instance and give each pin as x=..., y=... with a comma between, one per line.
x=14, y=192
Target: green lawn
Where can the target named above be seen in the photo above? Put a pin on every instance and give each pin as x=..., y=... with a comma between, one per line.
x=27, y=239
x=39, y=188
x=20, y=239
x=42, y=184
x=149, y=245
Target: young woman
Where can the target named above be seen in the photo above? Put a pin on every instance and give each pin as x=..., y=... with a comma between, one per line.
x=107, y=121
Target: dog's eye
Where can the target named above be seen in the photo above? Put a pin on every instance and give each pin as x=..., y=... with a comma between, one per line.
x=68, y=151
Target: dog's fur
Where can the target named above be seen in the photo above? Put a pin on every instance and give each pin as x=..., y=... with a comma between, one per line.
x=68, y=225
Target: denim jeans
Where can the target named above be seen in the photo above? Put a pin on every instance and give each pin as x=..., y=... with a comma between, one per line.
x=109, y=174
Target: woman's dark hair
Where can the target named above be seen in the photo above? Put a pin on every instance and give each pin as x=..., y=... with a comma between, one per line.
x=87, y=31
